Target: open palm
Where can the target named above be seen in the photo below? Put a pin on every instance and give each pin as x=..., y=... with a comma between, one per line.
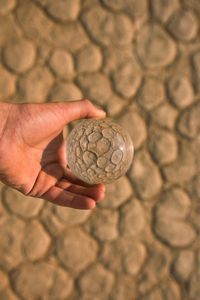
x=33, y=154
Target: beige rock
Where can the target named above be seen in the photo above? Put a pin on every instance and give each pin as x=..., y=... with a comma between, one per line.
x=35, y=85
x=7, y=294
x=145, y=176
x=76, y=250
x=96, y=87
x=127, y=79
x=152, y=93
x=174, y=203
x=132, y=220
x=24, y=206
x=103, y=224
x=3, y=280
x=115, y=195
x=107, y=28
x=137, y=9
x=163, y=9
x=36, y=241
x=183, y=265
x=189, y=121
x=96, y=281
x=43, y=280
x=136, y=127
x=61, y=63
x=155, y=47
x=6, y=6
x=124, y=288
x=65, y=91
x=183, y=25
x=176, y=233
x=7, y=84
x=163, y=146
x=167, y=290
x=37, y=26
x=88, y=59
x=56, y=218
x=164, y=115
x=181, y=91
x=63, y=10
x=19, y=56
x=124, y=255
x=183, y=168
x=8, y=29
x=11, y=232
x=155, y=268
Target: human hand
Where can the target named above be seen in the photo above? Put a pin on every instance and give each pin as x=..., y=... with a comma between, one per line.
x=33, y=152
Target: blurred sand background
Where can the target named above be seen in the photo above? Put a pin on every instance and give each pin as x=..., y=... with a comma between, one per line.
x=140, y=61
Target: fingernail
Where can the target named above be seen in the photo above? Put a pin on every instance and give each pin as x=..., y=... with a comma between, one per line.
x=101, y=112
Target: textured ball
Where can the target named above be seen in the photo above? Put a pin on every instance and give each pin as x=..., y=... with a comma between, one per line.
x=99, y=151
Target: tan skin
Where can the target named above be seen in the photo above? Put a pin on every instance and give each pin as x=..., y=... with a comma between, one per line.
x=33, y=154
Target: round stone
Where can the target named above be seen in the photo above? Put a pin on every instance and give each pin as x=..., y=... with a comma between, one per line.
x=11, y=231
x=152, y=93
x=181, y=91
x=183, y=168
x=131, y=120
x=35, y=85
x=184, y=25
x=23, y=206
x=103, y=224
x=166, y=290
x=174, y=203
x=170, y=223
x=176, y=233
x=163, y=146
x=155, y=47
x=76, y=250
x=36, y=241
x=124, y=255
x=19, y=56
x=6, y=6
x=137, y=9
x=104, y=159
x=196, y=65
x=145, y=176
x=3, y=280
x=115, y=195
x=108, y=28
x=189, y=121
x=96, y=86
x=96, y=281
x=70, y=217
x=42, y=280
x=132, y=220
x=88, y=59
x=164, y=115
x=65, y=91
x=61, y=62
x=163, y=9
x=63, y=10
x=7, y=294
x=127, y=79
x=183, y=265
x=7, y=84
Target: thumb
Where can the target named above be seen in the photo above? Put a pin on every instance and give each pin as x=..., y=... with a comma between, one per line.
x=75, y=110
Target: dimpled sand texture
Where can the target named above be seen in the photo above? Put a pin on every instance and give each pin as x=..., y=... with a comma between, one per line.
x=99, y=150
